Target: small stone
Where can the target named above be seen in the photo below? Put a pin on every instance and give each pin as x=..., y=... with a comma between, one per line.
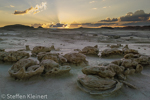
x=27, y=47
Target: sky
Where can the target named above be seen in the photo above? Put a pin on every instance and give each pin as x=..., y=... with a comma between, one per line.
x=75, y=13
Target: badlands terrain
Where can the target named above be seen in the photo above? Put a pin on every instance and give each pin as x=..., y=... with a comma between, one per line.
x=65, y=86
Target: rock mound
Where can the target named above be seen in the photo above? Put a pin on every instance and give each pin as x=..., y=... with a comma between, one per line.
x=89, y=50
x=76, y=58
x=25, y=69
x=13, y=56
x=39, y=49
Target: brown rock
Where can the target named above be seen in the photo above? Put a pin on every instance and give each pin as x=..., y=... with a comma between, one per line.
x=94, y=82
x=89, y=50
x=13, y=56
x=51, y=67
x=110, y=52
x=75, y=58
x=25, y=68
x=39, y=49
x=102, y=71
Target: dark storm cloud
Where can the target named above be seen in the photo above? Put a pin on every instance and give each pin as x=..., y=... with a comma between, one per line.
x=139, y=15
x=58, y=25
x=90, y=24
x=145, y=23
x=109, y=20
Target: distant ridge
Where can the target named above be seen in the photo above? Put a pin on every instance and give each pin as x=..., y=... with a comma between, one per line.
x=107, y=28
x=17, y=26
x=137, y=27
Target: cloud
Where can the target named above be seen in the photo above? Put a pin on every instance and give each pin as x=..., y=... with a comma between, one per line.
x=23, y=12
x=149, y=19
x=106, y=7
x=94, y=8
x=139, y=15
x=58, y=25
x=36, y=25
x=12, y=6
x=89, y=25
x=33, y=10
x=92, y=2
x=145, y=23
x=109, y=20
x=46, y=25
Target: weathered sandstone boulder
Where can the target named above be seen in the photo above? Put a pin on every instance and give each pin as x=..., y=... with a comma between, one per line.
x=117, y=62
x=27, y=48
x=94, y=82
x=96, y=85
x=51, y=67
x=2, y=50
x=115, y=46
x=129, y=63
x=143, y=60
x=110, y=52
x=89, y=50
x=39, y=49
x=102, y=71
x=53, y=56
x=127, y=51
x=76, y=58
x=25, y=68
x=131, y=55
x=13, y=56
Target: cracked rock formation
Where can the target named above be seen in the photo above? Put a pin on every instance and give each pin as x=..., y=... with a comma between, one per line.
x=89, y=50
x=51, y=67
x=53, y=56
x=13, y=56
x=39, y=49
x=76, y=58
x=25, y=68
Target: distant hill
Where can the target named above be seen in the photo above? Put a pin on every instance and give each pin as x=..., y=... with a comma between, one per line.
x=16, y=26
x=107, y=28
x=40, y=27
x=137, y=27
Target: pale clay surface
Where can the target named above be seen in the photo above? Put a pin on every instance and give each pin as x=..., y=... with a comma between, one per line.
x=65, y=87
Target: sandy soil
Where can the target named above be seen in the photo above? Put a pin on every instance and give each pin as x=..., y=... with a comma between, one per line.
x=64, y=87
